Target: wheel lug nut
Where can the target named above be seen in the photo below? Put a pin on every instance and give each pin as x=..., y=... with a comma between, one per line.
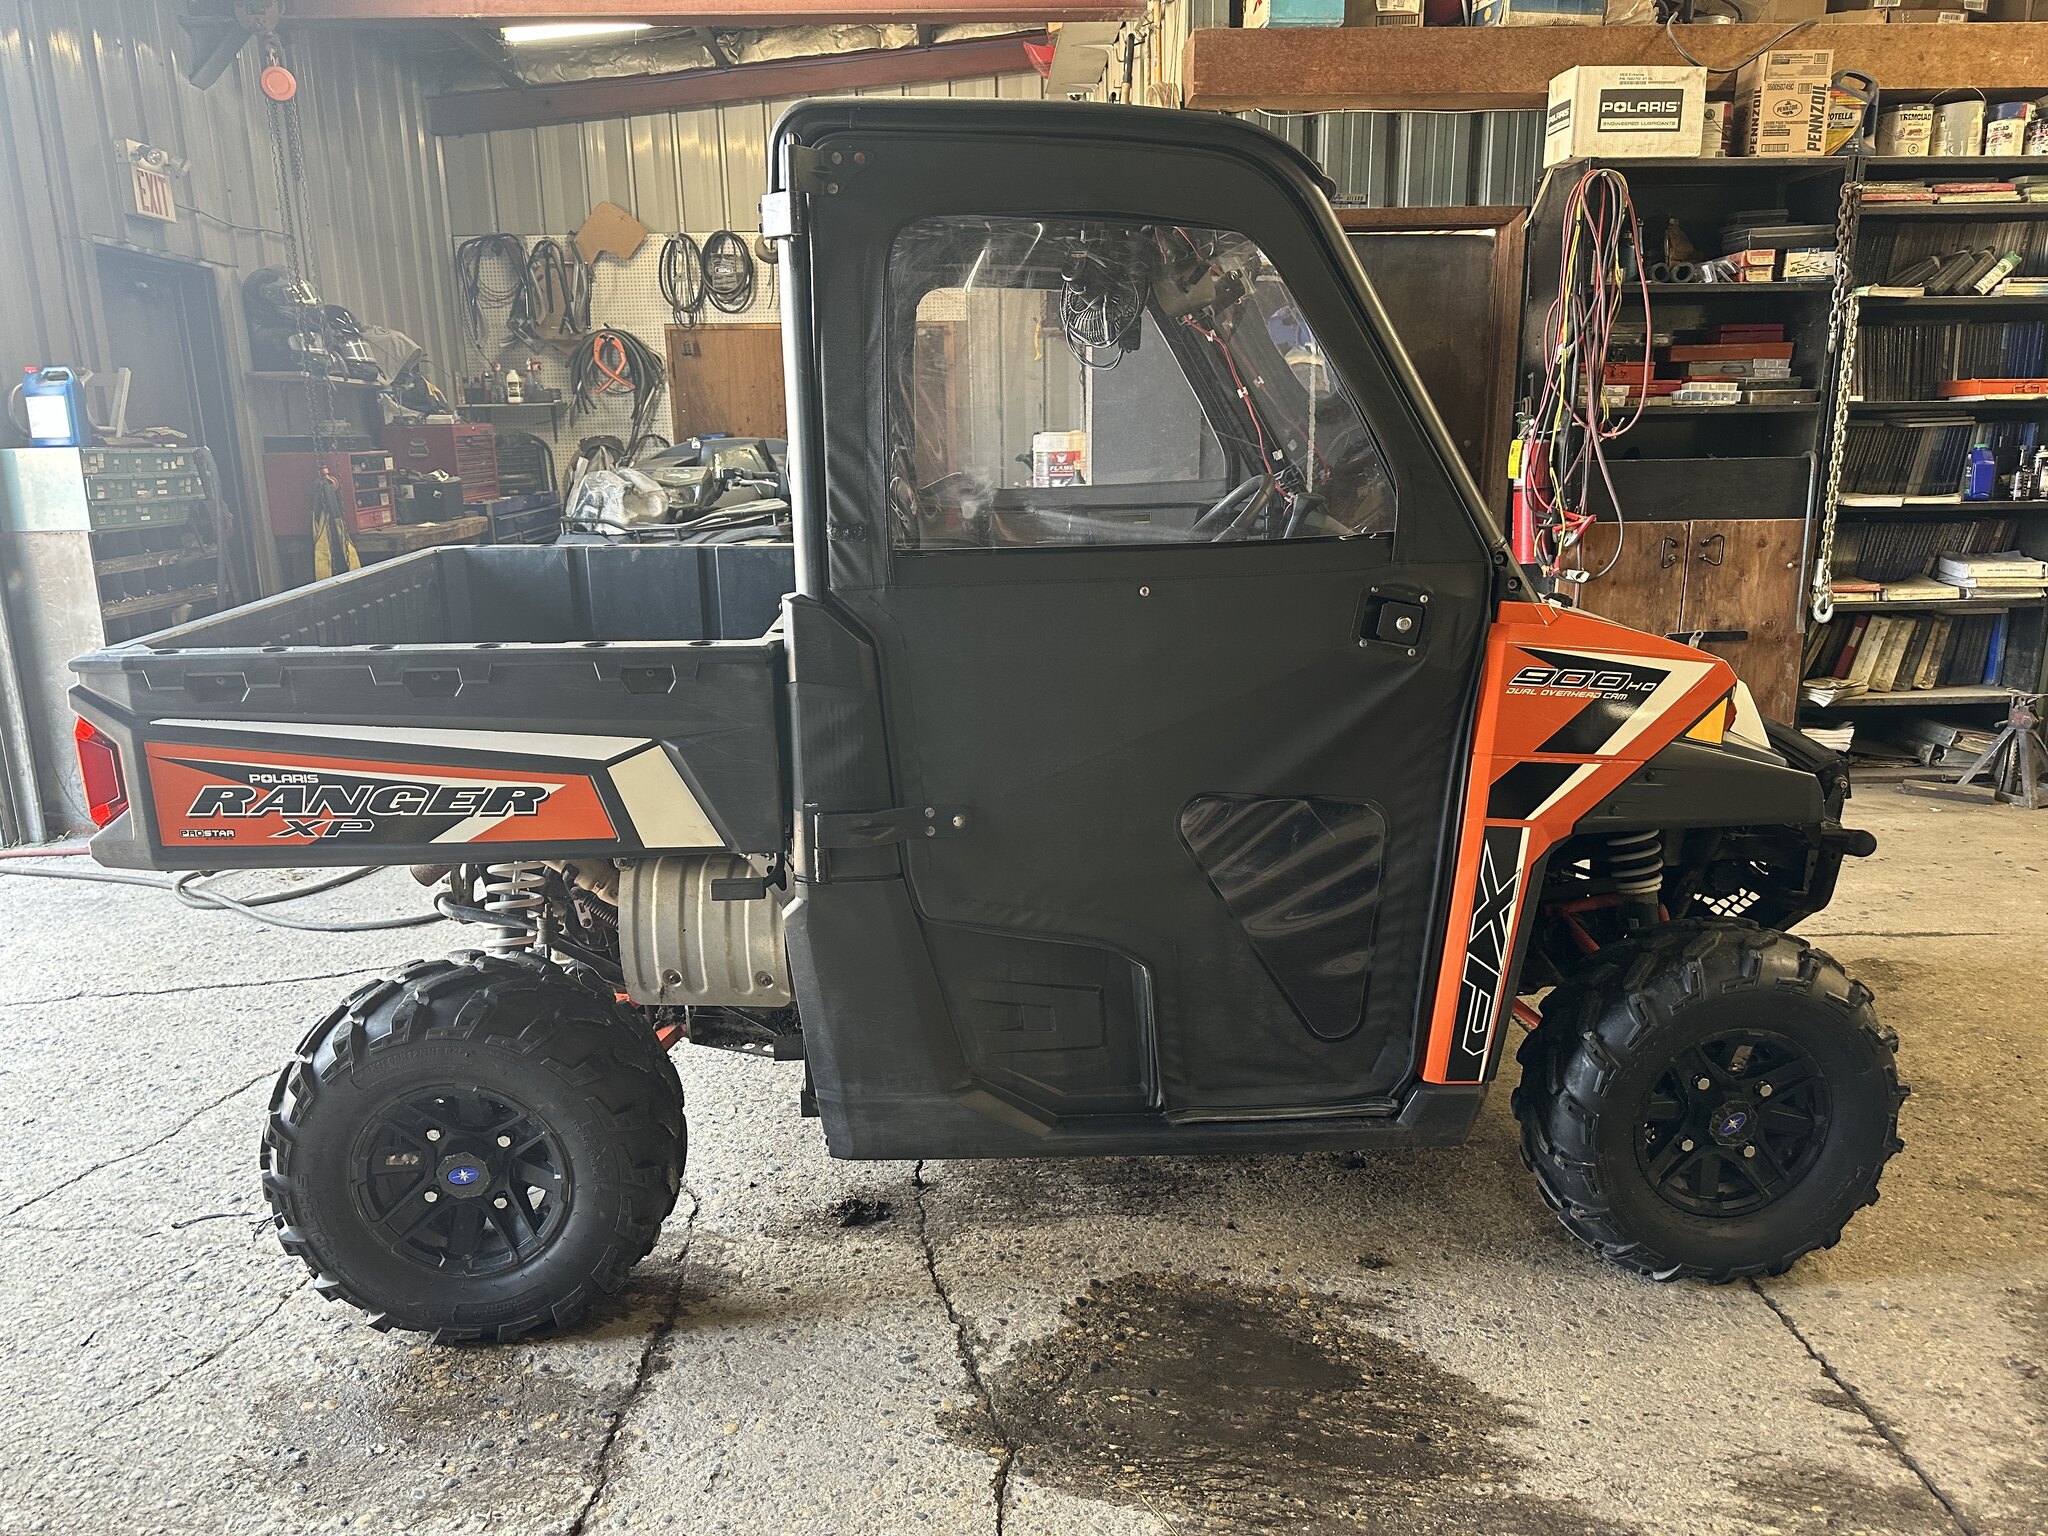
x=432, y=1195
x=1703, y=1083
x=500, y=1202
x=433, y=1135
x=1749, y=1151
x=504, y=1141
x=1685, y=1145
x=1763, y=1090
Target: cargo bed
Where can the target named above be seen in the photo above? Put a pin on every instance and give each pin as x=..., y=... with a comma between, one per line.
x=541, y=701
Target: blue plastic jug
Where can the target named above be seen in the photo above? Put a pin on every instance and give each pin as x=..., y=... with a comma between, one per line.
x=1980, y=478
x=54, y=399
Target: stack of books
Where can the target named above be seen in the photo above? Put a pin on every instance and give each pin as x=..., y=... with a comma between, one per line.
x=2001, y=573
x=1875, y=193
x=1855, y=654
x=2033, y=188
x=1920, y=359
x=1896, y=550
x=1946, y=192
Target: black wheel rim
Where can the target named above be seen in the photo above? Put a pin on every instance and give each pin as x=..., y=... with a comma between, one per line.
x=1733, y=1124
x=458, y=1180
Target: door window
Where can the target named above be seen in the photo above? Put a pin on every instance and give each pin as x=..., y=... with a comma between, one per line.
x=1100, y=381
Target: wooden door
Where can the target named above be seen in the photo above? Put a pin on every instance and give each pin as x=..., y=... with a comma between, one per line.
x=726, y=378
x=1742, y=577
x=1645, y=570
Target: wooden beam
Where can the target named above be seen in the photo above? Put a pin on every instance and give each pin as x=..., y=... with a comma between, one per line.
x=1392, y=69
x=715, y=13
x=584, y=101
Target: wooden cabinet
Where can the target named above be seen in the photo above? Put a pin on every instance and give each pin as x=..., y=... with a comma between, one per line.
x=1731, y=582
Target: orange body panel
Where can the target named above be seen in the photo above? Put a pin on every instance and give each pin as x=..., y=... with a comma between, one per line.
x=1569, y=707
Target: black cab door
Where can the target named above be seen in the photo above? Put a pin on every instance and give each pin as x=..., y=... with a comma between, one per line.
x=1172, y=599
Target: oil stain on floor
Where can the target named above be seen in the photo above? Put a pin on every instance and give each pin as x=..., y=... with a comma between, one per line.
x=1255, y=1410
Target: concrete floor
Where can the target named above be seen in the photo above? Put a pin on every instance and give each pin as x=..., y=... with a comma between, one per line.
x=1317, y=1344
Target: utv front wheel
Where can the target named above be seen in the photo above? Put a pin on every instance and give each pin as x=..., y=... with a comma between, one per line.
x=1709, y=1101
x=474, y=1149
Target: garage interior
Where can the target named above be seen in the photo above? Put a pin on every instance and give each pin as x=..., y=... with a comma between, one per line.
x=354, y=334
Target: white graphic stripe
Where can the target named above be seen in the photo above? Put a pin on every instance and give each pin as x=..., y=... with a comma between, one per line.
x=496, y=743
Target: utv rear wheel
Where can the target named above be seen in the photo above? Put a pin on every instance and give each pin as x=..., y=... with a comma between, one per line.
x=1710, y=1100
x=474, y=1149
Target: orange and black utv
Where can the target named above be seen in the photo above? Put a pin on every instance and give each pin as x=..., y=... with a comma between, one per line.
x=1146, y=744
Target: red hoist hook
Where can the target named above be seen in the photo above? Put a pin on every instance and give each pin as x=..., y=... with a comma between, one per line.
x=261, y=17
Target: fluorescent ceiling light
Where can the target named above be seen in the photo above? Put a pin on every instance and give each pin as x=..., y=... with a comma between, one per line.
x=570, y=31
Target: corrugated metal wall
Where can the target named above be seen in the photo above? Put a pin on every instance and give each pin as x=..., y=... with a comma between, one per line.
x=78, y=75
x=698, y=170
x=1380, y=159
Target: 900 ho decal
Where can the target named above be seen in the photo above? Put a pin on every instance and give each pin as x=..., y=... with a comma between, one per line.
x=242, y=797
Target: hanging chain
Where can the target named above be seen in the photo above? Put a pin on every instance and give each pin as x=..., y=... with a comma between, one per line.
x=288, y=165
x=1844, y=321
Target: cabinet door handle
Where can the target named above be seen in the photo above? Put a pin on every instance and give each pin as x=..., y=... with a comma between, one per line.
x=1718, y=542
x=1669, y=556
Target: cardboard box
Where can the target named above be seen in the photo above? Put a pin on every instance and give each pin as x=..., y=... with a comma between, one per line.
x=1294, y=13
x=1907, y=130
x=1809, y=266
x=1784, y=96
x=1647, y=110
x=1538, y=13
x=1717, y=129
x=1383, y=13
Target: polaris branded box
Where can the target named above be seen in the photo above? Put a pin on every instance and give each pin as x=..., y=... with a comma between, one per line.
x=1635, y=111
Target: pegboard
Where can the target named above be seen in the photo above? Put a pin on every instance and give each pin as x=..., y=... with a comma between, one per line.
x=626, y=296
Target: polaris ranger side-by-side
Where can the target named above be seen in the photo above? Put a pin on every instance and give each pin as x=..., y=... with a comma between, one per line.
x=1147, y=746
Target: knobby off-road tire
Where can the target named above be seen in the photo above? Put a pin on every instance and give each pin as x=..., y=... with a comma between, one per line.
x=474, y=1148
x=1610, y=1101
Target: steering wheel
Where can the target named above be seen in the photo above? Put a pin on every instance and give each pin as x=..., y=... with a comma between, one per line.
x=1240, y=509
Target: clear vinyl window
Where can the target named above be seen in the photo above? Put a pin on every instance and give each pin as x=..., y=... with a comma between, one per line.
x=1100, y=381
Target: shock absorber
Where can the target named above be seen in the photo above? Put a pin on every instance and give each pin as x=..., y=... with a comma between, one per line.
x=513, y=891
x=1635, y=863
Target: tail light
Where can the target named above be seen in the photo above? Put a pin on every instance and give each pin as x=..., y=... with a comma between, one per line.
x=99, y=764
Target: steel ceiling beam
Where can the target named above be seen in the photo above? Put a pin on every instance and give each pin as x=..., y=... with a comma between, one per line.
x=582, y=101
x=716, y=13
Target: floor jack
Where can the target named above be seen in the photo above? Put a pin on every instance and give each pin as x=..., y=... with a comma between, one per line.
x=2014, y=761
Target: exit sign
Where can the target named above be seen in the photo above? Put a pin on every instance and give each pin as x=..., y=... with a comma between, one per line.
x=153, y=198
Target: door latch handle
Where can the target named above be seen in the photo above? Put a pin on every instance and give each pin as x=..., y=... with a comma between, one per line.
x=1395, y=618
x=1718, y=542
x=1669, y=557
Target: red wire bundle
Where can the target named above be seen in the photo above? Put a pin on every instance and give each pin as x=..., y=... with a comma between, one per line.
x=1568, y=429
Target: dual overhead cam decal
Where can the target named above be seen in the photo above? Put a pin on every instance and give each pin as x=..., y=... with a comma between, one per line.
x=1570, y=706
x=297, y=785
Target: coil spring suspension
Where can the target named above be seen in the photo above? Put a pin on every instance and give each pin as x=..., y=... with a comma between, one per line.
x=513, y=891
x=1635, y=863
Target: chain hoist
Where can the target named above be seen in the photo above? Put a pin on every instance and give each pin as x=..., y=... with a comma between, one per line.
x=1844, y=320
x=334, y=547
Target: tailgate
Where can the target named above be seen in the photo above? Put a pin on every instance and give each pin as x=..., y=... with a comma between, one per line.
x=288, y=755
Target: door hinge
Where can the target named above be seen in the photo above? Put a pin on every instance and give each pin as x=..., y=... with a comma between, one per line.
x=825, y=172
x=877, y=829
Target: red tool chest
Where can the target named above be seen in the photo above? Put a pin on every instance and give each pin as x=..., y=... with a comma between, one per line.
x=466, y=450
x=363, y=477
